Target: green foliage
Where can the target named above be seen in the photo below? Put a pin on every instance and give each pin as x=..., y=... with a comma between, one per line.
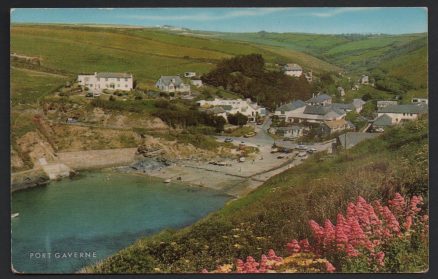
x=246, y=75
x=237, y=119
x=132, y=106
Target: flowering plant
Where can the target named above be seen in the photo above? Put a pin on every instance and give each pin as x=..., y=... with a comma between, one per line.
x=370, y=237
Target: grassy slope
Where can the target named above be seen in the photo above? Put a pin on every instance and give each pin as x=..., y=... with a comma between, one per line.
x=278, y=211
x=148, y=53
x=403, y=56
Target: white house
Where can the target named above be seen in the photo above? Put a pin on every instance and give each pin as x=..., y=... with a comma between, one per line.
x=98, y=82
x=245, y=107
x=290, y=132
x=196, y=82
x=320, y=99
x=398, y=113
x=364, y=79
x=172, y=84
x=420, y=100
x=293, y=70
x=189, y=74
x=299, y=111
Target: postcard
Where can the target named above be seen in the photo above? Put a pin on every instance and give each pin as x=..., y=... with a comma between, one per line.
x=219, y=140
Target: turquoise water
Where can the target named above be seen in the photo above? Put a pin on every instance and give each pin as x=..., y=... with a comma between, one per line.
x=97, y=215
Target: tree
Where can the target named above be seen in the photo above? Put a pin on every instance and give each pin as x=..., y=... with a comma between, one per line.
x=237, y=119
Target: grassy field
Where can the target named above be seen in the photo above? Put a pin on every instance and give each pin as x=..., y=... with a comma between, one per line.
x=147, y=53
x=28, y=87
x=278, y=211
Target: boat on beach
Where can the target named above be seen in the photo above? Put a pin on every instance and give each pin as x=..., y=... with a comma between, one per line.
x=167, y=180
x=13, y=215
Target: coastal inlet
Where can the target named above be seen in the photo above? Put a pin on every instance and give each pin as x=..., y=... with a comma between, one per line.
x=97, y=214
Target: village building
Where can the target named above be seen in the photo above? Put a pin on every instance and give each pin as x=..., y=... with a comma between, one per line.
x=98, y=82
x=293, y=70
x=350, y=139
x=196, y=82
x=172, y=84
x=189, y=74
x=364, y=79
x=289, y=132
x=216, y=111
x=246, y=107
x=320, y=99
x=384, y=104
x=334, y=126
x=358, y=104
x=381, y=123
x=406, y=112
x=298, y=112
x=420, y=100
x=341, y=91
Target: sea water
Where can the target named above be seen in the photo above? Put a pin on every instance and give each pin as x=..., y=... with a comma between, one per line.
x=73, y=223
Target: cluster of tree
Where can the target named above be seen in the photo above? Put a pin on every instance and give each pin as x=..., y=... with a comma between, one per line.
x=185, y=116
x=246, y=75
x=237, y=119
x=392, y=84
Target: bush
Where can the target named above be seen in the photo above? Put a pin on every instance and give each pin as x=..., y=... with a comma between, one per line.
x=237, y=119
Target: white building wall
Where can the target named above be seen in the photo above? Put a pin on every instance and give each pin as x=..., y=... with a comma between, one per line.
x=397, y=117
x=295, y=73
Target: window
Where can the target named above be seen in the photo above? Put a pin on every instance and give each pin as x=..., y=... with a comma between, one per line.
x=126, y=85
x=106, y=79
x=118, y=79
x=126, y=79
x=118, y=85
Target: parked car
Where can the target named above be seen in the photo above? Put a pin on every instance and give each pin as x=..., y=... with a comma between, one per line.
x=251, y=134
x=302, y=147
x=311, y=150
x=281, y=157
x=228, y=140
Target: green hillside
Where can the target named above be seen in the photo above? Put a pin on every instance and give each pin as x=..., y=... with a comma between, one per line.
x=147, y=53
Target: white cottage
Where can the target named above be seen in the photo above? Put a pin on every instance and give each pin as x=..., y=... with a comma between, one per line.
x=98, y=82
x=293, y=70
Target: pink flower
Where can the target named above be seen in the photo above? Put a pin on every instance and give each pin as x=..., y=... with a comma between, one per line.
x=380, y=257
x=293, y=246
x=305, y=246
x=351, y=252
x=329, y=267
x=204, y=271
x=408, y=223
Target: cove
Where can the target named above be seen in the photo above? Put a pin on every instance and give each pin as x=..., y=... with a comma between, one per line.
x=72, y=223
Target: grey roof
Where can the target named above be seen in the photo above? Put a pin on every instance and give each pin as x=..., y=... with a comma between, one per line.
x=226, y=107
x=292, y=106
x=382, y=121
x=319, y=98
x=409, y=108
x=358, y=103
x=166, y=80
x=340, y=106
x=292, y=67
x=318, y=110
x=322, y=110
x=215, y=110
x=353, y=138
x=113, y=75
